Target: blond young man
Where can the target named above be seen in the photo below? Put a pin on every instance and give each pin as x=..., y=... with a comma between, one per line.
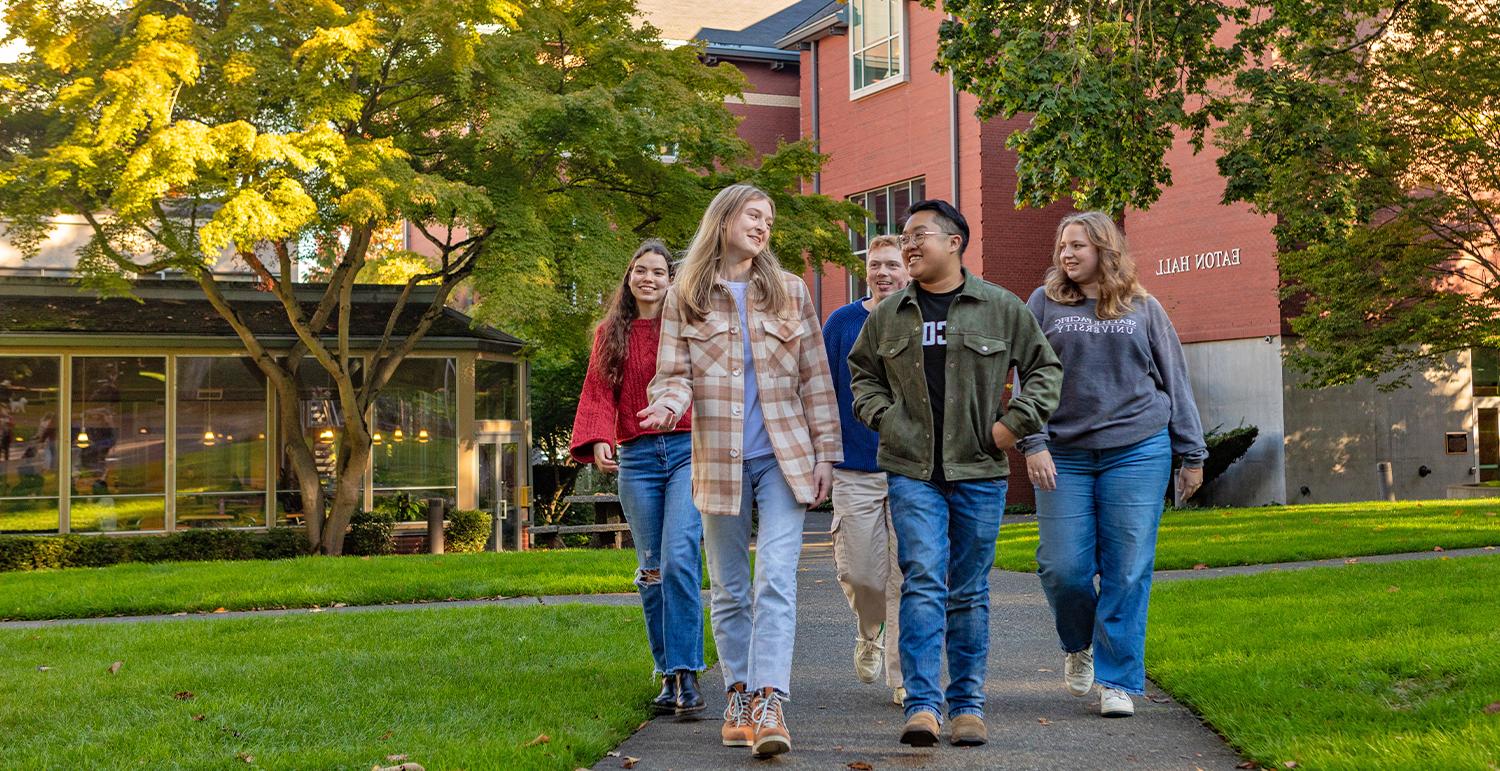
x=864, y=542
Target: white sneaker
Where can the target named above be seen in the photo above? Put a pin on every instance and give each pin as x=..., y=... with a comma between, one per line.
x=1078, y=671
x=1114, y=702
x=868, y=659
x=898, y=696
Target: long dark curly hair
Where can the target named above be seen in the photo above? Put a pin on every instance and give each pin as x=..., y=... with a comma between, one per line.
x=614, y=328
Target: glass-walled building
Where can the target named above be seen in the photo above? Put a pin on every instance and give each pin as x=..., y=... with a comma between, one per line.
x=126, y=416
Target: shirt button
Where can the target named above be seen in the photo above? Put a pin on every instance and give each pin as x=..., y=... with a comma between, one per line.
x=735, y=372
x=734, y=453
x=984, y=348
x=736, y=410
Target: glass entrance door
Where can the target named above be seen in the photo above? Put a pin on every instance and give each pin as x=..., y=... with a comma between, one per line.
x=500, y=478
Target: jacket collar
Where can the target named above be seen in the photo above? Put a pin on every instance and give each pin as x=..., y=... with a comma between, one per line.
x=971, y=288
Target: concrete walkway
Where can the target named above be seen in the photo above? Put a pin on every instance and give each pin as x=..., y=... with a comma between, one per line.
x=1034, y=723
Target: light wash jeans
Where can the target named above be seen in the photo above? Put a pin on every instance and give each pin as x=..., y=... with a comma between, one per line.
x=1101, y=520
x=656, y=493
x=755, y=624
x=945, y=537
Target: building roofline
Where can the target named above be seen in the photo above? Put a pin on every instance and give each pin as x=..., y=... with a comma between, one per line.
x=821, y=25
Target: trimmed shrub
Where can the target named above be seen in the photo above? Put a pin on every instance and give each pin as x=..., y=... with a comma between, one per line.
x=371, y=533
x=43, y=552
x=468, y=530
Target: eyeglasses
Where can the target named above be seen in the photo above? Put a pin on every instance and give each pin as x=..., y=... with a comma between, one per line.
x=915, y=239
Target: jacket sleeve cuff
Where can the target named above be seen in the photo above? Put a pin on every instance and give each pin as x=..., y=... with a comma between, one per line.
x=1018, y=426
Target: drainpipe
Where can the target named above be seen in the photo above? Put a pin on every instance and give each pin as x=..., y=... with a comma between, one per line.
x=953, y=166
x=817, y=179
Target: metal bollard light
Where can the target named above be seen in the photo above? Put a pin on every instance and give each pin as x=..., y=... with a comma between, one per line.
x=435, y=508
x=1387, y=473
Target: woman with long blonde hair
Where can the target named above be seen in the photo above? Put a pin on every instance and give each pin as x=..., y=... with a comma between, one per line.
x=654, y=475
x=1101, y=465
x=742, y=344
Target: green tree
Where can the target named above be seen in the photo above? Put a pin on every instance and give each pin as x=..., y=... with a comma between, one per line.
x=1368, y=128
x=526, y=141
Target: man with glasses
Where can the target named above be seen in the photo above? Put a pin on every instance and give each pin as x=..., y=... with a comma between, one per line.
x=928, y=373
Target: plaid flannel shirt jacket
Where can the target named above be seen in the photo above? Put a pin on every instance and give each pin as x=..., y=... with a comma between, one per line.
x=702, y=364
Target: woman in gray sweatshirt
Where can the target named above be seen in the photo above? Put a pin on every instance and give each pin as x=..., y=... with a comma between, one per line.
x=1101, y=465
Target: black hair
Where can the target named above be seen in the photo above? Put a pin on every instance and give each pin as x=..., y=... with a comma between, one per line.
x=947, y=216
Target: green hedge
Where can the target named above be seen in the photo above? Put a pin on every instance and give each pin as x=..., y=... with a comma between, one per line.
x=468, y=531
x=371, y=533
x=41, y=552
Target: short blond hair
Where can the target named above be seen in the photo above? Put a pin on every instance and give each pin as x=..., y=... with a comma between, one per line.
x=889, y=239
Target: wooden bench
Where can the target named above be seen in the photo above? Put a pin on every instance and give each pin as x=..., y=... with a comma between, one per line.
x=609, y=528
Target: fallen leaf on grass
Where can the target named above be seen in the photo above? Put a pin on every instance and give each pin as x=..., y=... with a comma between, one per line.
x=197, y=718
x=1435, y=548
x=385, y=735
x=1289, y=764
x=859, y=765
x=1489, y=548
x=183, y=695
x=221, y=610
x=1492, y=709
x=395, y=758
x=1200, y=566
x=1246, y=764
x=1393, y=589
x=612, y=754
x=341, y=605
x=1044, y=721
x=1351, y=560
x=540, y=739
x=248, y=758
x=402, y=767
x=115, y=667
x=43, y=668
x=643, y=724
x=629, y=762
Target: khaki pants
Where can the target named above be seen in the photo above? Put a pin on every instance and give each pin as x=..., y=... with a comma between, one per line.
x=864, y=551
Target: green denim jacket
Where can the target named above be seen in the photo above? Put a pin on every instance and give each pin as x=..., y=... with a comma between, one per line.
x=989, y=331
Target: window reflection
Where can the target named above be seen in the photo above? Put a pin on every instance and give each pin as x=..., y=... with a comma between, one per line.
x=118, y=440
x=322, y=423
x=497, y=390
x=30, y=390
x=415, y=449
x=221, y=442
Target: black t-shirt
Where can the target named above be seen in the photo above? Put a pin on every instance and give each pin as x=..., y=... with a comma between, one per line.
x=934, y=309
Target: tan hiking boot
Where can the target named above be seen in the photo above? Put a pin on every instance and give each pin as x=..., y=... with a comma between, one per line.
x=921, y=729
x=968, y=731
x=737, y=731
x=771, y=737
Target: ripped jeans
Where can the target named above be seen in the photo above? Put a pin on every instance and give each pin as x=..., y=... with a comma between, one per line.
x=657, y=495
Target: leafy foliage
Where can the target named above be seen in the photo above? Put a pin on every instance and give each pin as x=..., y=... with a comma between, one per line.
x=49, y=552
x=468, y=531
x=526, y=141
x=1366, y=128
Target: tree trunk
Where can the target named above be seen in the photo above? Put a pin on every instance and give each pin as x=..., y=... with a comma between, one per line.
x=348, y=495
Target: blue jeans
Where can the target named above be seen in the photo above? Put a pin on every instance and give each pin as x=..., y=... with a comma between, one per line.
x=656, y=493
x=1101, y=520
x=755, y=623
x=945, y=542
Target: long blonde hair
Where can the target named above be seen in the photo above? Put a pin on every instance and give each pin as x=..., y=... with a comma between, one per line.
x=700, y=268
x=1118, y=286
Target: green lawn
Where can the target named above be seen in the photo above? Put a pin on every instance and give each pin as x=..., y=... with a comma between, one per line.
x=1254, y=536
x=170, y=587
x=468, y=688
x=1360, y=667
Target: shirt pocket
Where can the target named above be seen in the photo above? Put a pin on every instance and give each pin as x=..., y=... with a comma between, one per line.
x=710, y=346
x=783, y=346
x=900, y=371
x=985, y=364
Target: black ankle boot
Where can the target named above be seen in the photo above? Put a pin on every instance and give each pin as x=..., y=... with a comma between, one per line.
x=689, y=700
x=666, y=702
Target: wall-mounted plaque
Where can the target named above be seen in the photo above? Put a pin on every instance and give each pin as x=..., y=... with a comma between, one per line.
x=1456, y=442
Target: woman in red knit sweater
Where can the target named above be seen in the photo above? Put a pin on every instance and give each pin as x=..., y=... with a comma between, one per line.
x=655, y=475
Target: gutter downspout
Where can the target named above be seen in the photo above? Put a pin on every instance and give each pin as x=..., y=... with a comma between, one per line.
x=817, y=180
x=953, y=164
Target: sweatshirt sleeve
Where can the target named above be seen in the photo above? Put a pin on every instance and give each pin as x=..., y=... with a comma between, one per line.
x=867, y=377
x=1035, y=442
x=597, y=407
x=1185, y=427
x=673, y=385
x=1037, y=368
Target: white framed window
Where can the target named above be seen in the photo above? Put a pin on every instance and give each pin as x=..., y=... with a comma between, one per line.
x=877, y=45
x=888, y=205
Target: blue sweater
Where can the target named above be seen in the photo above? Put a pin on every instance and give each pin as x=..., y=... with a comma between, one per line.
x=839, y=334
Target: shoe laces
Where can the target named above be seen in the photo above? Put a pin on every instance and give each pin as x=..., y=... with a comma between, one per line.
x=739, y=706
x=767, y=712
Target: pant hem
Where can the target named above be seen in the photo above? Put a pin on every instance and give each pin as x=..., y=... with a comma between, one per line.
x=1118, y=687
x=935, y=713
x=969, y=711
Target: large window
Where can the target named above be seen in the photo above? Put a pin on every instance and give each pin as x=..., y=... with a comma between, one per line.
x=888, y=205
x=497, y=390
x=118, y=440
x=221, y=442
x=415, y=446
x=322, y=422
x=876, y=56
x=30, y=393
x=1486, y=372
